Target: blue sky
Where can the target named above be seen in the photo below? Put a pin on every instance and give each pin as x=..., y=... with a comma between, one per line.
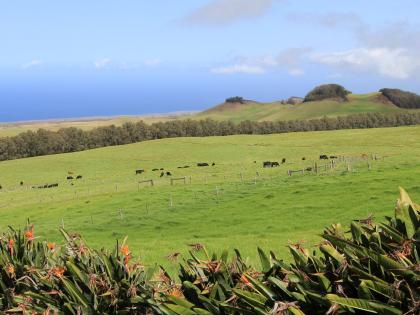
x=100, y=57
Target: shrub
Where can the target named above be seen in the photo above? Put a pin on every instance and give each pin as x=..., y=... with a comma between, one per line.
x=326, y=91
x=235, y=99
x=401, y=98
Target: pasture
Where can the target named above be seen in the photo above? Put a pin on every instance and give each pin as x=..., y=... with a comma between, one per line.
x=235, y=204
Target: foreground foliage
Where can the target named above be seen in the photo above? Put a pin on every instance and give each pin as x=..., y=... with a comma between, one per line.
x=370, y=268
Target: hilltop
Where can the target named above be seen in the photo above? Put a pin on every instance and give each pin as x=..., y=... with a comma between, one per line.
x=331, y=107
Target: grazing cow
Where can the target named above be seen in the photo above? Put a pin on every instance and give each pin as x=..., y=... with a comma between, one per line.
x=255, y=161
x=162, y=174
x=213, y=164
x=309, y=169
x=202, y=164
x=1, y=187
x=155, y=169
x=139, y=172
x=186, y=166
x=180, y=167
x=304, y=158
x=21, y=183
x=70, y=177
x=333, y=157
x=79, y=177
x=323, y=157
x=162, y=169
x=269, y=164
x=283, y=160
x=168, y=174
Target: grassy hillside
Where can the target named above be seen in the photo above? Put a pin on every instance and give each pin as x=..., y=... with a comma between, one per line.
x=358, y=103
x=216, y=208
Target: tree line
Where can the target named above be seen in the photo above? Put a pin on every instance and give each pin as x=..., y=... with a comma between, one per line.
x=44, y=142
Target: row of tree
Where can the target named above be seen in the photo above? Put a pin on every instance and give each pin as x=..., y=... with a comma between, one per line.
x=44, y=142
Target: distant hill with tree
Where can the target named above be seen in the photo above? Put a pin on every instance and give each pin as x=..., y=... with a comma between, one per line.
x=402, y=98
x=327, y=91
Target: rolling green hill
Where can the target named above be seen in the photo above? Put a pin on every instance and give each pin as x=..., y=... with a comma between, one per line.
x=250, y=206
x=357, y=103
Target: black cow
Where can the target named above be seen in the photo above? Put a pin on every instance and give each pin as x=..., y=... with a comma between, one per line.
x=333, y=157
x=323, y=157
x=304, y=158
x=70, y=177
x=269, y=164
x=168, y=174
x=309, y=169
x=202, y=164
x=162, y=174
x=186, y=166
x=180, y=167
x=155, y=169
x=79, y=177
x=213, y=164
x=139, y=172
x=283, y=160
x=1, y=187
x=162, y=169
x=21, y=183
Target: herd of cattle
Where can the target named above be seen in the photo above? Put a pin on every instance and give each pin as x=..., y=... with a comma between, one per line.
x=270, y=164
x=168, y=173
x=266, y=164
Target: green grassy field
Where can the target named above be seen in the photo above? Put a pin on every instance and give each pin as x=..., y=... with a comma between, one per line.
x=217, y=208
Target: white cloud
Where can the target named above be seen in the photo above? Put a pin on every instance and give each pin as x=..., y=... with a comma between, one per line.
x=221, y=12
x=153, y=62
x=296, y=72
x=102, y=63
x=288, y=59
x=395, y=63
x=31, y=64
x=239, y=68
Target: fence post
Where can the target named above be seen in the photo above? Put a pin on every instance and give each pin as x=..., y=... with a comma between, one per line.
x=171, y=203
x=121, y=214
x=242, y=177
x=316, y=167
x=62, y=223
